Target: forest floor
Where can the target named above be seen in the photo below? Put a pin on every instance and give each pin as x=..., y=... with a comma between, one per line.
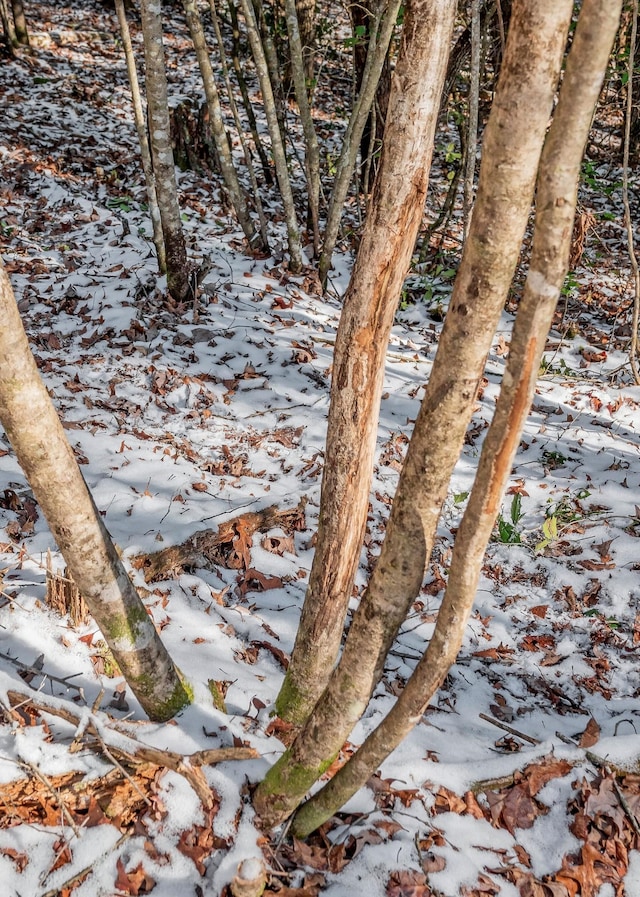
x=523, y=778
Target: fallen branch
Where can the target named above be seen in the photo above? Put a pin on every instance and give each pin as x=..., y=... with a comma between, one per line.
x=125, y=747
x=210, y=548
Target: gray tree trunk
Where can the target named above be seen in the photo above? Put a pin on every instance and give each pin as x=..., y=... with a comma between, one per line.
x=227, y=168
x=141, y=129
x=513, y=143
x=38, y=439
x=162, y=154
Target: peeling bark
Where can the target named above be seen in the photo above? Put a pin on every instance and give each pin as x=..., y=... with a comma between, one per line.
x=556, y=201
x=513, y=143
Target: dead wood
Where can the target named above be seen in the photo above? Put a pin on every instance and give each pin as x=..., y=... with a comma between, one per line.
x=226, y=546
x=113, y=740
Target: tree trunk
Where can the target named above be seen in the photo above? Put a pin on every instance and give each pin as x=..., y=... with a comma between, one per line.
x=20, y=22
x=555, y=202
x=43, y=452
x=163, y=167
x=513, y=142
x=306, y=15
x=221, y=141
x=143, y=140
x=277, y=145
x=8, y=28
x=361, y=343
x=376, y=55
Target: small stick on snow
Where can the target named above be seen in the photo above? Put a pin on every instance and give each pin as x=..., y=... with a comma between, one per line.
x=509, y=729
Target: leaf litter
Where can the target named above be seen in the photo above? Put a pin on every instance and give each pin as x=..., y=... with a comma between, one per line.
x=182, y=429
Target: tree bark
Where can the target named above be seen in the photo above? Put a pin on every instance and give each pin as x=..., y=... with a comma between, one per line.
x=163, y=167
x=277, y=145
x=361, y=343
x=377, y=48
x=311, y=151
x=20, y=22
x=8, y=28
x=227, y=168
x=43, y=452
x=141, y=129
x=556, y=196
x=513, y=143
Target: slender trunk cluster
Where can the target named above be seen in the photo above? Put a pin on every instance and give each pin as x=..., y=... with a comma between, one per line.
x=363, y=333
x=513, y=144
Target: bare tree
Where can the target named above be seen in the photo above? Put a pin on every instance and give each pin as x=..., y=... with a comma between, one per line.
x=161, y=152
x=20, y=22
x=513, y=143
x=38, y=439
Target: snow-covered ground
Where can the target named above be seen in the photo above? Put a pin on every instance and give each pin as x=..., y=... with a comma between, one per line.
x=181, y=425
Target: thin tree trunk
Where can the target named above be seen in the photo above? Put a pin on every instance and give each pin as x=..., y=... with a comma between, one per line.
x=242, y=84
x=236, y=117
x=555, y=202
x=38, y=439
x=311, y=151
x=20, y=22
x=221, y=141
x=8, y=27
x=513, y=143
x=141, y=128
x=361, y=343
x=162, y=154
x=376, y=54
x=277, y=146
x=306, y=16
x=472, y=120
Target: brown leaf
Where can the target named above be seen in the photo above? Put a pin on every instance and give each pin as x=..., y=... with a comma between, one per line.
x=406, y=883
x=537, y=775
x=135, y=882
x=591, y=734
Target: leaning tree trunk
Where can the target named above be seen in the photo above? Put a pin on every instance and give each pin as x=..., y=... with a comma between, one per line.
x=555, y=203
x=513, y=143
x=163, y=167
x=361, y=343
x=36, y=434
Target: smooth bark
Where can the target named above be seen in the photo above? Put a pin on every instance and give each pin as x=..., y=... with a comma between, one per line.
x=376, y=54
x=513, y=143
x=277, y=145
x=227, y=168
x=161, y=152
x=20, y=22
x=555, y=202
x=361, y=343
x=222, y=55
x=311, y=150
x=38, y=439
x=141, y=129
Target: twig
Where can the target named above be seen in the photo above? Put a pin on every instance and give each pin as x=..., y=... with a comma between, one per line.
x=133, y=751
x=509, y=729
x=24, y=667
x=42, y=778
x=78, y=876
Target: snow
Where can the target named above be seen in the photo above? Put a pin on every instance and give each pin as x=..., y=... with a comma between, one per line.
x=181, y=425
